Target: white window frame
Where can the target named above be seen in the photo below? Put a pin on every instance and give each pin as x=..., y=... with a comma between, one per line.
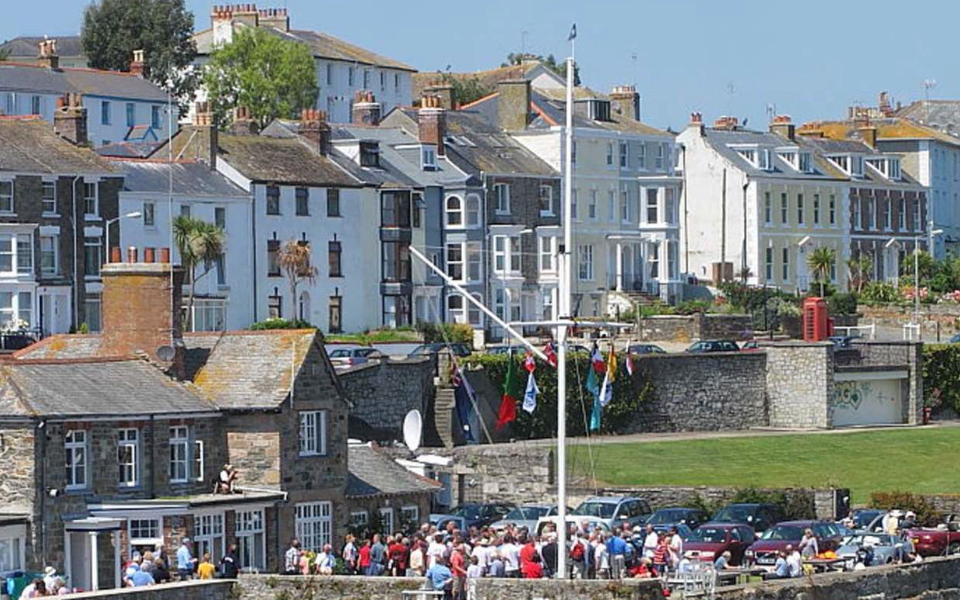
x=359, y=519
x=507, y=254
x=13, y=548
x=661, y=153
x=248, y=525
x=545, y=192
x=609, y=154
x=128, y=469
x=547, y=251
x=208, y=529
x=501, y=194
x=625, y=207
x=95, y=199
x=47, y=184
x=816, y=209
x=55, y=249
x=428, y=157
x=624, y=155
x=315, y=443
x=585, y=262
x=77, y=447
x=833, y=209
x=784, y=209
x=149, y=214
x=473, y=262
x=456, y=308
x=801, y=209
x=768, y=264
x=7, y=200
x=592, y=213
x=196, y=459
x=179, y=438
x=458, y=212
x=767, y=208
x=642, y=155
x=902, y=215
x=314, y=525
x=152, y=541
x=654, y=195
x=454, y=259
x=387, y=520
x=410, y=514
x=471, y=208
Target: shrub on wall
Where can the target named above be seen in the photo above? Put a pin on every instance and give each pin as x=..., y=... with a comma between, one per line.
x=629, y=396
x=926, y=514
x=941, y=375
x=281, y=324
x=446, y=332
x=842, y=304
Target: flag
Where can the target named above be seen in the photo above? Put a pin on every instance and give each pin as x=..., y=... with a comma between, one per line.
x=593, y=386
x=530, y=396
x=464, y=400
x=596, y=360
x=508, y=402
x=529, y=363
x=551, y=354
x=629, y=362
x=573, y=33
x=606, y=393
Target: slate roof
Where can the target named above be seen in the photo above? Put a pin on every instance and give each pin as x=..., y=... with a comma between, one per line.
x=30, y=146
x=190, y=178
x=322, y=45
x=891, y=128
x=29, y=46
x=826, y=146
x=488, y=78
x=129, y=149
x=721, y=139
x=490, y=150
x=943, y=115
x=373, y=473
x=90, y=387
x=91, y=82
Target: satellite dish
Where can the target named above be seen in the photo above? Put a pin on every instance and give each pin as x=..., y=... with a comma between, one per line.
x=412, y=428
x=166, y=353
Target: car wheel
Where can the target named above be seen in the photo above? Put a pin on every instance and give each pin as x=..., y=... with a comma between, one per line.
x=953, y=548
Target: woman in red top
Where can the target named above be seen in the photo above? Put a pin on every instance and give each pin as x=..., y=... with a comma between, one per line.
x=661, y=555
x=532, y=569
x=398, y=553
x=363, y=560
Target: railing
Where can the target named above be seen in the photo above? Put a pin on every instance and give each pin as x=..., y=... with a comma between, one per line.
x=17, y=340
x=860, y=329
x=911, y=332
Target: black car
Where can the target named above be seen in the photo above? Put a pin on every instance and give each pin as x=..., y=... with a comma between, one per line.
x=458, y=348
x=646, y=349
x=704, y=346
x=759, y=516
x=691, y=517
x=481, y=515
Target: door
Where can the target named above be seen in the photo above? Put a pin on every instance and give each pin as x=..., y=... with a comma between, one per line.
x=46, y=314
x=867, y=402
x=80, y=560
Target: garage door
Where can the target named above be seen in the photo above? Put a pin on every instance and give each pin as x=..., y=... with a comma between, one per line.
x=867, y=401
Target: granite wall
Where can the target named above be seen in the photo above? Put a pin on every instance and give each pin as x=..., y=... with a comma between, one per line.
x=213, y=589
x=799, y=384
x=699, y=326
x=383, y=392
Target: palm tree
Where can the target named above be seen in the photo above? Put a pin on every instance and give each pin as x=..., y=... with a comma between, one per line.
x=860, y=269
x=294, y=260
x=821, y=261
x=198, y=242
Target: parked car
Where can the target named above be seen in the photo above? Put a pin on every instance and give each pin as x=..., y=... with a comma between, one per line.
x=349, y=357
x=750, y=346
x=842, y=341
x=458, y=348
x=691, y=517
x=710, y=540
x=526, y=515
x=441, y=520
x=763, y=552
x=705, y=346
x=587, y=524
x=939, y=541
x=646, y=349
x=476, y=515
x=867, y=519
x=615, y=511
x=758, y=516
x=886, y=548
x=682, y=528
x=955, y=339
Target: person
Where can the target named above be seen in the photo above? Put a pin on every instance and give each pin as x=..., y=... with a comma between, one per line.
x=496, y=568
x=326, y=560
x=440, y=577
x=185, y=561
x=808, y=544
x=226, y=482
x=291, y=558
x=474, y=571
x=459, y=571
x=206, y=570
x=510, y=552
x=350, y=554
x=528, y=553
x=141, y=578
x=650, y=542
x=643, y=570
x=578, y=557
x=229, y=564
x=549, y=553
x=480, y=553
x=794, y=561
x=723, y=561
x=661, y=556
x=601, y=559
x=50, y=578
x=909, y=520
x=378, y=556
x=676, y=547
x=398, y=554
x=35, y=589
x=617, y=549
x=533, y=569
x=363, y=558
x=781, y=569
x=436, y=548
x=160, y=572
x=62, y=589
x=418, y=559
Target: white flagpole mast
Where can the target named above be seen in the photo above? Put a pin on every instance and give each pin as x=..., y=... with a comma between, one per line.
x=564, y=305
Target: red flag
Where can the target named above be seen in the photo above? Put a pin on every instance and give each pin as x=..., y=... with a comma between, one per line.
x=508, y=402
x=597, y=359
x=551, y=354
x=529, y=363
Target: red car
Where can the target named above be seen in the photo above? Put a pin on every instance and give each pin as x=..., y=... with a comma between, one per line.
x=710, y=540
x=934, y=542
x=764, y=551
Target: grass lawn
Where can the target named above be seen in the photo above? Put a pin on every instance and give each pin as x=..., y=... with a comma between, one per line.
x=913, y=460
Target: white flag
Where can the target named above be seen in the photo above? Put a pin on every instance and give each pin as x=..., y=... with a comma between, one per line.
x=530, y=396
x=606, y=392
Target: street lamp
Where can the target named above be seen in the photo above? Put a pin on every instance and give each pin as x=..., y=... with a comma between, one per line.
x=130, y=215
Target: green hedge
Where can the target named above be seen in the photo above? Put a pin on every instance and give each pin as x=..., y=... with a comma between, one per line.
x=281, y=324
x=629, y=396
x=941, y=375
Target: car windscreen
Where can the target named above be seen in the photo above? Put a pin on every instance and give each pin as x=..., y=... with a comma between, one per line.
x=709, y=535
x=864, y=518
x=735, y=514
x=869, y=540
x=341, y=353
x=664, y=517
x=526, y=513
x=782, y=533
x=467, y=512
x=604, y=510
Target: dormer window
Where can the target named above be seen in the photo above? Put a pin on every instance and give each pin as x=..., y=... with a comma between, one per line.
x=789, y=156
x=750, y=154
x=856, y=166
x=851, y=164
x=887, y=166
x=428, y=157
x=805, y=162
x=369, y=154
x=598, y=110
x=765, y=163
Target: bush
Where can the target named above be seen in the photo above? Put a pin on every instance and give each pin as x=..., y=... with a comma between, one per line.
x=878, y=292
x=690, y=307
x=927, y=515
x=764, y=305
x=281, y=324
x=446, y=332
x=941, y=374
x=842, y=304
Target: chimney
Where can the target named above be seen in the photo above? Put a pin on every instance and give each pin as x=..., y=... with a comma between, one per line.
x=138, y=65
x=205, y=122
x=276, y=18
x=48, y=54
x=246, y=14
x=868, y=133
x=433, y=123
x=625, y=101
x=696, y=122
x=243, y=122
x=70, y=119
x=366, y=110
x=513, y=104
x=445, y=93
x=314, y=127
x=141, y=310
x=729, y=123
x=883, y=104
x=784, y=127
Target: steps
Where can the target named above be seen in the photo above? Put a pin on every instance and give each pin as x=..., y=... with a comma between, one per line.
x=443, y=417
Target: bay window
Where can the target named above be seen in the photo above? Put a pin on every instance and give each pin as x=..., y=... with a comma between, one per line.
x=314, y=525
x=16, y=310
x=506, y=254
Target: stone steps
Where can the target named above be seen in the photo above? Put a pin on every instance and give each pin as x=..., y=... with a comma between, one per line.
x=443, y=415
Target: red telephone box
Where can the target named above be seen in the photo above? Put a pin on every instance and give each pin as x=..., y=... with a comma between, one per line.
x=816, y=320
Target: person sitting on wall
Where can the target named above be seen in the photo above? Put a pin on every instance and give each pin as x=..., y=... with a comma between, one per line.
x=227, y=481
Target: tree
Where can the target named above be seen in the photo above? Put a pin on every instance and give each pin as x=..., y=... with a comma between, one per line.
x=859, y=269
x=199, y=243
x=560, y=68
x=272, y=77
x=821, y=261
x=294, y=261
x=465, y=89
x=163, y=29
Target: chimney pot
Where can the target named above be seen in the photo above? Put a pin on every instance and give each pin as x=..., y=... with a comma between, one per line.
x=432, y=123
x=115, y=254
x=165, y=255
x=132, y=254
x=148, y=255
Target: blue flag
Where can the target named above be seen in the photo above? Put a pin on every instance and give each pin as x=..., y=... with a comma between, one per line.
x=463, y=400
x=530, y=395
x=593, y=386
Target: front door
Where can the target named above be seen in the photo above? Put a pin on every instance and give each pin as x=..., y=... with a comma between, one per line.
x=80, y=573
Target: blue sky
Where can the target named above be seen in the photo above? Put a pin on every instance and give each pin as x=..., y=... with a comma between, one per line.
x=734, y=57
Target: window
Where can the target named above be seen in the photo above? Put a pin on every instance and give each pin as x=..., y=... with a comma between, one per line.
x=767, y=209
x=501, y=193
x=786, y=264
x=35, y=108
x=474, y=262
x=6, y=196
x=329, y=74
x=333, y=202
x=409, y=518
x=313, y=433
x=128, y=457
x=765, y=163
x=90, y=193
x=609, y=154
x=209, y=314
x=395, y=209
x=585, y=271
x=25, y=254
x=273, y=200
x=351, y=76
x=104, y=112
x=208, y=536
x=893, y=168
x=455, y=261
x=131, y=114
x=386, y=518
x=887, y=217
x=273, y=258
x=800, y=208
x=396, y=311
x=12, y=548
x=624, y=155
x=805, y=162
x=592, y=208
x=155, y=117
x=275, y=305
x=901, y=214
x=856, y=166
x=573, y=152
x=333, y=252
x=91, y=312
x=658, y=164
x=198, y=460
x=855, y=204
x=396, y=261
x=456, y=312
x=816, y=209
x=16, y=306
x=652, y=205
x=545, y=200
x=75, y=444
x=916, y=215
x=303, y=202
x=654, y=259
x=506, y=254
x=144, y=534
x=548, y=254
x=473, y=210
x=625, y=206
x=358, y=519
x=768, y=264
x=833, y=209
x=250, y=540
x=185, y=210
x=428, y=157
x=220, y=217
x=642, y=156
x=783, y=208
x=366, y=79
x=48, y=254
x=314, y=525
x=669, y=214
x=573, y=205
x=179, y=451
x=92, y=256
x=454, y=209
x=49, y=199
x=611, y=205
x=396, y=81
x=335, y=316
x=148, y=214
x=369, y=154
x=416, y=204
x=871, y=206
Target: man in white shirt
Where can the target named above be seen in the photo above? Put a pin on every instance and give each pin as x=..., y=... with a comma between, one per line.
x=480, y=553
x=676, y=547
x=436, y=549
x=794, y=562
x=650, y=542
x=510, y=552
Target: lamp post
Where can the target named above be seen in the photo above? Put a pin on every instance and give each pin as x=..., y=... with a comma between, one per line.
x=129, y=215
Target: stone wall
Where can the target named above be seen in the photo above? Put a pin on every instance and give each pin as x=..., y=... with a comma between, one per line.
x=894, y=316
x=17, y=460
x=893, y=355
x=553, y=589
x=799, y=384
x=699, y=326
x=383, y=392
x=213, y=589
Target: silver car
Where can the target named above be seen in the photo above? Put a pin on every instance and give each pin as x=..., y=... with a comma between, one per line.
x=525, y=515
x=887, y=549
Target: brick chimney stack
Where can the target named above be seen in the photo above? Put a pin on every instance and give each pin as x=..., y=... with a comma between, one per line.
x=729, y=123
x=696, y=122
x=275, y=17
x=513, y=104
x=313, y=126
x=366, y=110
x=625, y=101
x=243, y=122
x=445, y=93
x=141, y=309
x=70, y=119
x=433, y=123
x=784, y=127
x=138, y=65
x=205, y=122
x=48, y=56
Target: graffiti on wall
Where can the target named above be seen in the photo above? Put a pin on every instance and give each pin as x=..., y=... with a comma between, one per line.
x=865, y=402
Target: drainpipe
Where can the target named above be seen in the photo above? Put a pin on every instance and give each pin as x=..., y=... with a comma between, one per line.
x=41, y=433
x=76, y=270
x=253, y=262
x=743, y=250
